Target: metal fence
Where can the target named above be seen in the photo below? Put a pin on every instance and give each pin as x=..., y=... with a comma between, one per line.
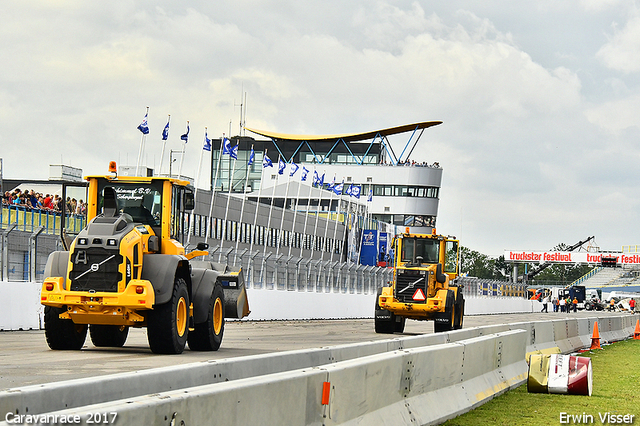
x=29, y=220
x=24, y=256
x=289, y=273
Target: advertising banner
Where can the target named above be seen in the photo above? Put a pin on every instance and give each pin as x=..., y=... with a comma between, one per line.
x=369, y=250
x=568, y=257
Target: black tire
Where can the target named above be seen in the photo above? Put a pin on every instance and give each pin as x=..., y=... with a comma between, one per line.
x=459, y=314
x=63, y=334
x=444, y=321
x=207, y=336
x=113, y=336
x=168, y=324
x=398, y=324
x=384, y=320
x=457, y=324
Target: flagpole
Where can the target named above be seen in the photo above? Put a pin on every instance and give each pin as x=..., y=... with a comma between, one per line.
x=273, y=191
x=306, y=217
x=326, y=228
x=335, y=229
x=315, y=228
x=295, y=211
x=186, y=139
x=195, y=191
x=244, y=198
x=164, y=144
x=254, y=233
x=215, y=183
x=142, y=139
x=226, y=210
x=284, y=210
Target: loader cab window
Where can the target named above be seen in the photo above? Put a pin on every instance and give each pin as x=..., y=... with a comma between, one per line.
x=181, y=205
x=143, y=202
x=451, y=257
x=426, y=248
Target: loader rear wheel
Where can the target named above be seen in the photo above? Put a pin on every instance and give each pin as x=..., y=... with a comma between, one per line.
x=398, y=324
x=113, y=336
x=459, y=316
x=167, y=324
x=62, y=334
x=445, y=321
x=384, y=320
x=207, y=336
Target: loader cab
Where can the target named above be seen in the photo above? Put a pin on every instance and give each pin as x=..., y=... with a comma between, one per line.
x=142, y=202
x=421, y=251
x=182, y=201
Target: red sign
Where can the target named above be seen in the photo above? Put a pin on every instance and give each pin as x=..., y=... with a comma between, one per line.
x=419, y=295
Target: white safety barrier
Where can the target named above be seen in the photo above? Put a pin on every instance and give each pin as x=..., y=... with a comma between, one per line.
x=421, y=379
x=25, y=311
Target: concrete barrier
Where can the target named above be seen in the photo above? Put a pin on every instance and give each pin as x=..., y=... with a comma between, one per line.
x=388, y=388
x=423, y=379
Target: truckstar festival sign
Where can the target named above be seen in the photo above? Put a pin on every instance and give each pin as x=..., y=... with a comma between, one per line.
x=569, y=257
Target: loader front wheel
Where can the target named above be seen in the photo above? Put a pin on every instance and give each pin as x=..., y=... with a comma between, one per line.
x=62, y=334
x=207, y=336
x=384, y=320
x=167, y=324
x=113, y=336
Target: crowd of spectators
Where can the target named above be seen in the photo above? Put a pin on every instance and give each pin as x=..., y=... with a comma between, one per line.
x=32, y=200
x=413, y=163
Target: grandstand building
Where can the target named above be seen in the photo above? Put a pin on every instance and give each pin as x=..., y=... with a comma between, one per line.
x=404, y=193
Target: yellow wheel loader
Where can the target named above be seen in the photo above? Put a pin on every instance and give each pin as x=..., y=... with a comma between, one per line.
x=425, y=269
x=129, y=268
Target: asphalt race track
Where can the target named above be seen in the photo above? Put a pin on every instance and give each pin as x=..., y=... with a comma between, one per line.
x=25, y=358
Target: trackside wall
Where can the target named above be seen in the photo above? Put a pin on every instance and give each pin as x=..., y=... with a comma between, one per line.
x=405, y=380
x=25, y=311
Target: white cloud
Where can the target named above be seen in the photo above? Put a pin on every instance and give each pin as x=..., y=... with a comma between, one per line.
x=622, y=52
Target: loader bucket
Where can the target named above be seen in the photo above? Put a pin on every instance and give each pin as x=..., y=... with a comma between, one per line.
x=236, y=304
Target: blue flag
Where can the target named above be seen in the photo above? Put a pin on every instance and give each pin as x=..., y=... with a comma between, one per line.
x=207, y=142
x=316, y=177
x=294, y=169
x=226, y=146
x=185, y=137
x=252, y=157
x=165, y=132
x=321, y=181
x=144, y=127
x=305, y=172
x=370, y=197
x=281, y=166
x=338, y=188
x=333, y=183
x=266, y=162
x=234, y=151
x=355, y=192
x=349, y=189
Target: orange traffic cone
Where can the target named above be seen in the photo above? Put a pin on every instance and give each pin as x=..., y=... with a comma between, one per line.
x=636, y=334
x=595, y=338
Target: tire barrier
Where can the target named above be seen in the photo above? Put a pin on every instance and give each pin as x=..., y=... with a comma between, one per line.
x=425, y=379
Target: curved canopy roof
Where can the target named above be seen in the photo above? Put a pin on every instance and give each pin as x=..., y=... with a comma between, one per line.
x=347, y=137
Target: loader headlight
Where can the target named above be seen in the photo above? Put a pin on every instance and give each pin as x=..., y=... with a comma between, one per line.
x=112, y=242
x=83, y=241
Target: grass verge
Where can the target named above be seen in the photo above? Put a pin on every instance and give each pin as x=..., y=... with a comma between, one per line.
x=616, y=390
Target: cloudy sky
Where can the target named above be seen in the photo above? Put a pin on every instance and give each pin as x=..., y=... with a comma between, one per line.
x=540, y=100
